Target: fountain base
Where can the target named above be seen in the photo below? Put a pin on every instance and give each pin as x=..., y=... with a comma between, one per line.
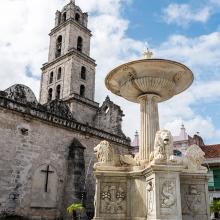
x=166, y=188
x=157, y=192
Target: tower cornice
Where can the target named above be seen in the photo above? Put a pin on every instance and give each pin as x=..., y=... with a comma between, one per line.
x=70, y=21
x=71, y=52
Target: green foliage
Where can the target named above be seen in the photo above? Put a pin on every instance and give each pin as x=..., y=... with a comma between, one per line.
x=215, y=206
x=74, y=207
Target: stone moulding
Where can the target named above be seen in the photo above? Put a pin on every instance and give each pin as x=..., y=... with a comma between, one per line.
x=70, y=20
x=73, y=52
x=84, y=100
x=58, y=120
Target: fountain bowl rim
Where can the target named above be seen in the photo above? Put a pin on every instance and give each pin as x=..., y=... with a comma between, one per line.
x=115, y=70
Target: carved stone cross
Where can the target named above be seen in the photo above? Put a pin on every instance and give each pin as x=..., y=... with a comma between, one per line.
x=47, y=172
x=147, y=54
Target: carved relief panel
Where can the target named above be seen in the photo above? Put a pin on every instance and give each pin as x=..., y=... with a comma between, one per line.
x=150, y=197
x=168, y=200
x=193, y=199
x=113, y=198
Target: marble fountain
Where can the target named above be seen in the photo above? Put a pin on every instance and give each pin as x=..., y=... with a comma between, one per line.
x=154, y=184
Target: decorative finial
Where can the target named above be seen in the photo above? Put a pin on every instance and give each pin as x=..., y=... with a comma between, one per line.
x=72, y=1
x=147, y=54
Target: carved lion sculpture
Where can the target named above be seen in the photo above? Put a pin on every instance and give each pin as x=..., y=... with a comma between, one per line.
x=105, y=155
x=163, y=147
x=194, y=158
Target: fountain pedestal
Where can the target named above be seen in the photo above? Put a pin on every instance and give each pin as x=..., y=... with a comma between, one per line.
x=163, y=193
x=149, y=124
x=158, y=192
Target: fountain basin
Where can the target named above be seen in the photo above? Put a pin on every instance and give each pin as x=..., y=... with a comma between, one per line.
x=164, y=78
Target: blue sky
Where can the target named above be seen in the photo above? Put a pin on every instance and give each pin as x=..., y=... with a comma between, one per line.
x=147, y=20
x=185, y=31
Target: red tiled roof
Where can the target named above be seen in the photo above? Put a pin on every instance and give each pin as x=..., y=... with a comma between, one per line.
x=211, y=151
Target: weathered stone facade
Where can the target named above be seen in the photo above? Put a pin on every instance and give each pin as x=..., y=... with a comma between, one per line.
x=46, y=147
x=34, y=137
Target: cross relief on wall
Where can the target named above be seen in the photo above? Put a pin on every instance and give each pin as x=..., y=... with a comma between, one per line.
x=47, y=171
x=44, y=187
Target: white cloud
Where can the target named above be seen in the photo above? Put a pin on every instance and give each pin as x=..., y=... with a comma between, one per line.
x=199, y=52
x=24, y=39
x=183, y=14
x=204, y=126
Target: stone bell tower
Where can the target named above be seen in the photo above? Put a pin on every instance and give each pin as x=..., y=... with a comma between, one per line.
x=69, y=74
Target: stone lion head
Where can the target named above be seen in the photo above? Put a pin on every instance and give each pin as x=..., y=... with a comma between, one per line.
x=104, y=152
x=163, y=137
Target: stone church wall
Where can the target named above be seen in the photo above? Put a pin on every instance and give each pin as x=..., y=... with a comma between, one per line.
x=28, y=145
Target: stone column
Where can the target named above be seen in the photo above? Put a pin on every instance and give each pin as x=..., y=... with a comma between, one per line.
x=149, y=124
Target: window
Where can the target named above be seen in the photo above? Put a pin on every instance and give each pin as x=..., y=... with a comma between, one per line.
x=77, y=17
x=50, y=95
x=58, y=92
x=106, y=109
x=59, y=19
x=64, y=17
x=82, y=90
x=177, y=153
x=51, y=78
x=211, y=180
x=216, y=176
x=58, y=46
x=79, y=44
x=59, y=73
x=83, y=73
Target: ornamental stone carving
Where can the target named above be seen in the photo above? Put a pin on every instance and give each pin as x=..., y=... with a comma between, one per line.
x=150, y=197
x=59, y=108
x=163, y=147
x=193, y=159
x=21, y=93
x=107, y=157
x=113, y=198
x=193, y=199
x=168, y=194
